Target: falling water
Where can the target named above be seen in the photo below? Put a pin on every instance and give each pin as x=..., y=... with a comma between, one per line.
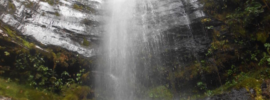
x=119, y=48
x=120, y=33
x=137, y=34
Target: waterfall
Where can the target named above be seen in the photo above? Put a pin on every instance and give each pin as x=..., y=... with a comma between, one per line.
x=118, y=62
x=141, y=36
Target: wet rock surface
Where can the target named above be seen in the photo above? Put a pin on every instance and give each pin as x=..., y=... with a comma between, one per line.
x=174, y=26
x=64, y=23
x=241, y=94
x=4, y=98
x=68, y=23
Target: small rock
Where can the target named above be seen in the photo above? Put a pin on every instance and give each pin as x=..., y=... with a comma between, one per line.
x=241, y=94
x=4, y=98
x=2, y=33
x=266, y=88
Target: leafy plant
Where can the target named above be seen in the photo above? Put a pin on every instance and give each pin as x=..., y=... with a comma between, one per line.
x=7, y=53
x=201, y=85
x=266, y=56
x=232, y=70
x=37, y=74
x=244, y=15
x=160, y=93
x=78, y=7
x=209, y=93
x=11, y=6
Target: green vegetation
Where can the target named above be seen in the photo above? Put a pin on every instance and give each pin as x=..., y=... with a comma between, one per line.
x=160, y=93
x=83, y=8
x=9, y=31
x=19, y=40
x=249, y=80
x=15, y=91
x=57, y=14
x=11, y=89
x=51, y=2
x=29, y=4
x=238, y=57
x=77, y=7
x=78, y=93
x=241, y=56
x=85, y=42
x=41, y=73
x=43, y=13
x=11, y=7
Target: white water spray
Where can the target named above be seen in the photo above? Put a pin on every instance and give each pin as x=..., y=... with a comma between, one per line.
x=118, y=62
x=137, y=33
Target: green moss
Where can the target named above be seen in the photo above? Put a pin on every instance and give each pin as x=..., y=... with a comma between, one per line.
x=51, y=2
x=85, y=42
x=245, y=23
x=205, y=20
x=19, y=92
x=160, y=93
x=262, y=37
x=83, y=7
x=71, y=97
x=12, y=34
x=57, y=14
x=9, y=31
x=29, y=5
x=11, y=6
x=20, y=50
x=26, y=43
x=248, y=83
x=43, y=14
x=250, y=80
x=18, y=39
x=77, y=7
x=75, y=92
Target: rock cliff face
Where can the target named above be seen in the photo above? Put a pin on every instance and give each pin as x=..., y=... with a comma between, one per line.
x=174, y=28
x=71, y=24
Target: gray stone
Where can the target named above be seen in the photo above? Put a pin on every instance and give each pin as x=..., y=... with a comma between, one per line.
x=241, y=94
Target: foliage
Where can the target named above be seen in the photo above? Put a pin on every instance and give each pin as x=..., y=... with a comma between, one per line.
x=78, y=7
x=244, y=15
x=160, y=93
x=9, y=31
x=250, y=80
x=33, y=69
x=75, y=92
x=37, y=74
x=11, y=6
x=266, y=55
x=57, y=14
x=10, y=88
x=29, y=4
x=12, y=34
x=46, y=70
x=86, y=43
x=240, y=44
x=51, y=2
x=82, y=7
x=7, y=53
x=202, y=85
